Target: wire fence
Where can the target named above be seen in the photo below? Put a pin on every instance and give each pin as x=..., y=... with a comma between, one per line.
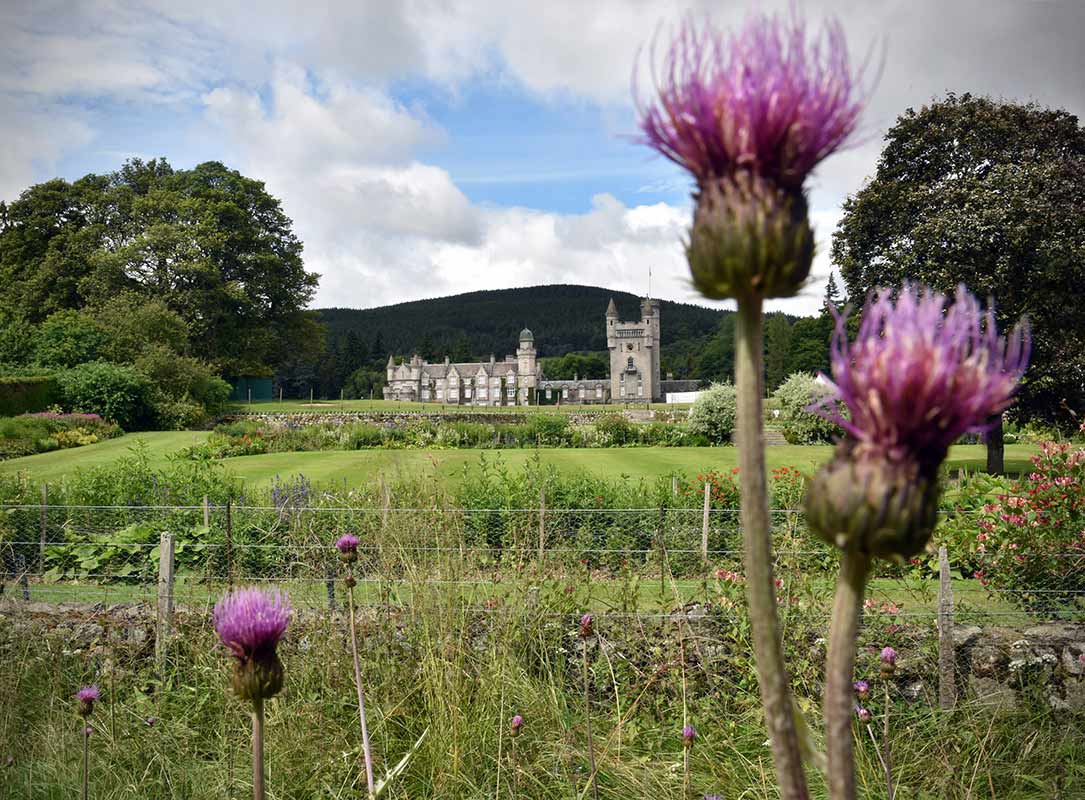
x=60, y=553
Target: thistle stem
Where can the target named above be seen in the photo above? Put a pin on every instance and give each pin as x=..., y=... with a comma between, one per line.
x=258, y=748
x=839, y=671
x=86, y=762
x=886, y=762
x=367, y=754
x=772, y=674
x=587, y=720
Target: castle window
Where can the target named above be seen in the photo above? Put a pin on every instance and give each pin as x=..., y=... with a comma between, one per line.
x=440, y=394
x=549, y=393
x=598, y=391
x=640, y=389
x=565, y=393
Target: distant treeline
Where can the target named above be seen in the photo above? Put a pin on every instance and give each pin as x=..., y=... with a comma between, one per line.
x=569, y=327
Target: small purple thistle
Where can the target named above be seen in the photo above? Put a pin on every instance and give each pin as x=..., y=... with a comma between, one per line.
x=250, y=622
x=763, y=100
x=586, y=626
x=516, y=724
x=862, y=689
x=863, y=714
x=689, y=733
x=919, y=374
x=347, y=543
x=86, y=697
x=888, y=656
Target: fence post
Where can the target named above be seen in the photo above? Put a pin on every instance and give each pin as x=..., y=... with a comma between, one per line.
x=674, y=486
x=165, y=597
x=947, y=681
x=229, y=545
x=206, y=512
x=704, y=522
x=542, y=525
x=662, y=553
x=44, y=527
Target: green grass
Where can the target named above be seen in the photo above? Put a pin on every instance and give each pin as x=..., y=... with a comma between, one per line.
x=55, y=465
x=359, y=466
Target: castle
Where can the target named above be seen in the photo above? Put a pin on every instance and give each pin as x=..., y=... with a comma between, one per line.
x=518, y=379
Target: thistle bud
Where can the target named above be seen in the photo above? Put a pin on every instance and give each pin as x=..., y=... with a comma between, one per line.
x=863, y=714
x=689, y=733
x=889, y=662
x=872, y=505
x=517, y=723
x=749, y=237
x=586, y=628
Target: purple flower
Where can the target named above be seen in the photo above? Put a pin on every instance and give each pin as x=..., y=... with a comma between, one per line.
x=87, y=731
x=889, y=656
x=689, y=733
x=348, y=543
x=764, y=100
x=919, y=374
x=86, y=697
x=862, y=689
x=251, y=622
x=517, y=723
x=863, y=714
x=586, y=626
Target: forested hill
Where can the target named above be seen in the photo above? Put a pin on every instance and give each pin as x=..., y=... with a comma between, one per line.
x=566, y=320
x=563, y=318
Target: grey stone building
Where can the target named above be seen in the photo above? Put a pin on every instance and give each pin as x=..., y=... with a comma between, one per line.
x=510, y=382
x=634, y=355
x=518, y=379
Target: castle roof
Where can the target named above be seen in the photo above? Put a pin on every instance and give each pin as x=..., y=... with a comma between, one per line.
x=527, y=336
x=612, y=310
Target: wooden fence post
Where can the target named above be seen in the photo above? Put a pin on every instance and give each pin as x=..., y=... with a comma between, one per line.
x=206, y=512
x=165, y=597
x=542, y=525
x=674, y=485
x=229, y=545
x=947, y=679
x=704, y=522
x=44, y=527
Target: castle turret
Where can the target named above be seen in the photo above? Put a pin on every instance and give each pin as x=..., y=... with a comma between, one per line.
x=634, y=354
x=526, y=364
x=391, y=367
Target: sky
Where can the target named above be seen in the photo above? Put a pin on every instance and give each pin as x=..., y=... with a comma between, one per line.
x=429, y=147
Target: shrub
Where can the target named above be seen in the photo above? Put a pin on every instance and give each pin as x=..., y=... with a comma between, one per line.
x=1030, y=542
x=550, y=430
x=118, y=393
x=185, y=390
x=713, y=414
x=68, y=338
x=21, y=394
x=793, y=398
x=615, y=430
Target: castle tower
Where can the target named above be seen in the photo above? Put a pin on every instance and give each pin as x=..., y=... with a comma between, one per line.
x=526, y=365
x=634, y=354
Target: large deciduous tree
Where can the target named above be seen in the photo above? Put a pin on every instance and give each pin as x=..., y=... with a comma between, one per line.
x=210, y=244
x=991, y=194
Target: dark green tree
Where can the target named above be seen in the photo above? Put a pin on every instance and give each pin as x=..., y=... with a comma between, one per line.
x=209, y=243
x=832, y=299
x=717, y=360
x=990, y=194
x=777, y=350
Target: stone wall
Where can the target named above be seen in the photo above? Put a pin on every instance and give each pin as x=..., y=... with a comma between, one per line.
x=396, y=418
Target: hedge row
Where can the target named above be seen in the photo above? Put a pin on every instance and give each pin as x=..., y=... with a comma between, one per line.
x=27, y=394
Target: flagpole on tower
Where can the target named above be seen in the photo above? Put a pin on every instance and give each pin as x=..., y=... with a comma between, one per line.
x=649, y=281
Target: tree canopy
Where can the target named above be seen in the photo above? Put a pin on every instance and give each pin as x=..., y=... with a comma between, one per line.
x=990, y=194
x=208, y=244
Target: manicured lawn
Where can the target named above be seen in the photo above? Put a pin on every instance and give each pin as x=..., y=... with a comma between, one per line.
x=358, y=466
x=55, y=465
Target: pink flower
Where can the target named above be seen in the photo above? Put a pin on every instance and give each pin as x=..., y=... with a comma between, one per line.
x=250, y=622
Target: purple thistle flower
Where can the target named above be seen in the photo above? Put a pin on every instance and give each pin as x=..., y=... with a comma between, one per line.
x=87, y=730
x=88, y=694
x=863, y=714
x=689, y=733
x=919, y=374
x=763, y=100
x=862, y=689
x=889, y=656
x=517, y=723
x=86, y=697
x=347, y=543
x=250, y=621
x=586, y=626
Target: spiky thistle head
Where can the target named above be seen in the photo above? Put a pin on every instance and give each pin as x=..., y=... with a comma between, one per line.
x=516, y=724
x=921, y=372
x=586, y=626
x=862, y=689
x=749, y=114
x=250, y=622
x=689, y=733
x=86, y=698
x=347, y=545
